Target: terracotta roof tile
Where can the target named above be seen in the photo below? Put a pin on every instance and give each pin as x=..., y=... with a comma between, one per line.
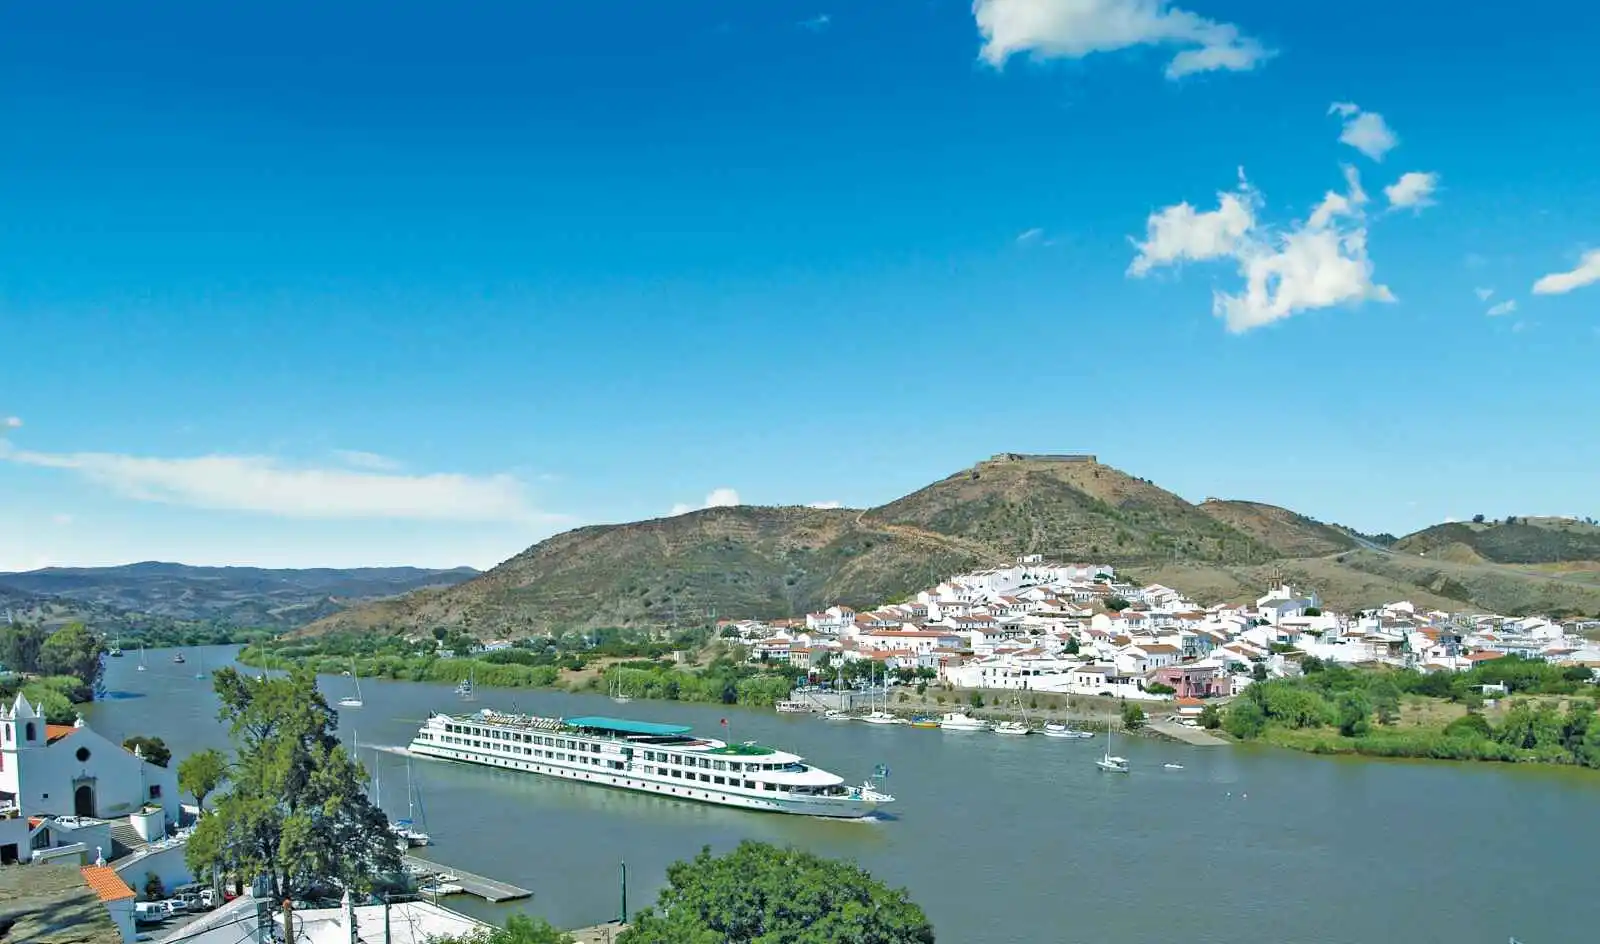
x=106, y=883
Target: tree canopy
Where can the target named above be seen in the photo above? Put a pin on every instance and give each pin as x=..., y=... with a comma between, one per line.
x=152, y=749
x=761, y=893
x=295, y=811
x=519, y=929
x=70, y=652
x=201, y=773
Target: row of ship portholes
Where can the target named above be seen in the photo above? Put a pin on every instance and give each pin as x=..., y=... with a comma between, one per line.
x=583, y=776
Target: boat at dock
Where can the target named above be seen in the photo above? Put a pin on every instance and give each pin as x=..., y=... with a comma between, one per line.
x=836, y=715
x=922, y=722
x=881, y=717
x=1055, y=730
x=645, y=757
x=794, y=707
x=961, y=721
x=1012, y=727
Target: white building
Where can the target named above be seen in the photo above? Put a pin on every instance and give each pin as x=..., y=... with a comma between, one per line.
x=69, y=770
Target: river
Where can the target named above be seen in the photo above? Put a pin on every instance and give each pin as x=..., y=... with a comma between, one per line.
x=1001, y=840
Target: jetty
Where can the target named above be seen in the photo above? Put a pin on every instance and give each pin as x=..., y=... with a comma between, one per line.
x=1186, y=734
x=598, y=934
x=490, y=890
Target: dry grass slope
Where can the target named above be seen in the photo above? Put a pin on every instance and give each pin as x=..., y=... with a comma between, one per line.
x=1288, y=533
x=1528, y=541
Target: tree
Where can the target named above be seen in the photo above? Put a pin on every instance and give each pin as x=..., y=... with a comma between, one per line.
x=975, y=700
x=19, y=646
x=1355, y=714
x=519, y=929
x=1477, y=519
x=1258, y=671
x=1132, y=715
x=1245, y=719
x=152, y=749
x=296, y=811
x=1160, y=688
x=1117, y=604
x=1313, y=611
x=74, y=651
x=760, y=893
x=1210, y=718
x=1072, y=645
x=1385, y=700
x=154, y=890
x=201, y=773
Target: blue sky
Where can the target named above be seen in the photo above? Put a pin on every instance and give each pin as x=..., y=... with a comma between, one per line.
x=404, y=282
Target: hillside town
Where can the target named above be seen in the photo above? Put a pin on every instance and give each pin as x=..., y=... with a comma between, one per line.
x=1078, y=629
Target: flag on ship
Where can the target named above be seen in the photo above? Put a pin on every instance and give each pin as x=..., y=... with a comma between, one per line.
x=881, y=771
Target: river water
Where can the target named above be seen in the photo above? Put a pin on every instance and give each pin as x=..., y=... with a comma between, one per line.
x=1001, y=840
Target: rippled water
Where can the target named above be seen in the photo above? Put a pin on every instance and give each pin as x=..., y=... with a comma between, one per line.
x=1005, y=840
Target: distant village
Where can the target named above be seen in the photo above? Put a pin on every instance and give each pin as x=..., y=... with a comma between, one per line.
x=1077, y=629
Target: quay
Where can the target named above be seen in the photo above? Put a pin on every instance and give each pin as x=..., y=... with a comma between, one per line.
x=1186, y=734
x=488, y=889
x=598, y=934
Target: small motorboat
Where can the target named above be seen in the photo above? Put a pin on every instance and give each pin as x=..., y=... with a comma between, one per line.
x=178, y=658
x=790, y=707
x=1012, y=727
x=961, y=721
x=832, y=715
x=1173, y=766
x=922, y=722
x=1063, y=731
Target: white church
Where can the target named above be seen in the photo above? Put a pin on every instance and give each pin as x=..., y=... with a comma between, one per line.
x=69, y=770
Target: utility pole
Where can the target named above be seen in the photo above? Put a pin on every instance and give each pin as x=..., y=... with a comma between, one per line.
x=386, y=918
x=623, y=919
x=288, y=921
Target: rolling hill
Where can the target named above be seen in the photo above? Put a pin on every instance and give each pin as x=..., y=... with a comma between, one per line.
x=243, y=597
x=754, y=561
x=1518, y=541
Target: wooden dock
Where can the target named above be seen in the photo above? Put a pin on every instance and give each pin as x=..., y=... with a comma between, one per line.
x=599, y=934
x=472, y=884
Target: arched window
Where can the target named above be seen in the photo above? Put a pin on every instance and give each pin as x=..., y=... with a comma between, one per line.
x=27, y=732
x=82, y=755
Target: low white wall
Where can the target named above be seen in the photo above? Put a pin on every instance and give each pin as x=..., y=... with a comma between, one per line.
x=167, y=863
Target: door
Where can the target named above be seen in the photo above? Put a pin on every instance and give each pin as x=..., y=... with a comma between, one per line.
x=83, y=800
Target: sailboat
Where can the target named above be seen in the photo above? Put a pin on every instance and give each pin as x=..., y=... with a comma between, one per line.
x=880, y=715
x=1015, y=727
x=353, y=701
x=141, y=657
x=200, y=671
x=1110, y=762
x=616, y=692
x=406, y=828
x=467, y=689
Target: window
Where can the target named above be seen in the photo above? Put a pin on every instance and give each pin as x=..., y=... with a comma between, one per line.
x=82, y=755
x=155, y=791
x=27, y=732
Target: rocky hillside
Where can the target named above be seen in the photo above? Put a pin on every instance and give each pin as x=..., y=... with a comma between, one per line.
x=1513, y=541
x=1287, y=533
x=750, y=561
x=245, y=597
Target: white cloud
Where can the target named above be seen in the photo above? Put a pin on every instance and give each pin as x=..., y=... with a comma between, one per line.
x=11, y=422
x=817, y=23
x=831, y=503
x=1504, y=308
x=1484, y=294
x=1179, y=233
x=266, y=486
x=357, y=459
x=717, y=498
x=1030, y=236
x=1073, y=29
x=1316, y=264
x=1366, y=131
x=1413, y=189
x=1559, y=283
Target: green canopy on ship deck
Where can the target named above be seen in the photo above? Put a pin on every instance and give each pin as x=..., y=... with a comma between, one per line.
x=624, y=726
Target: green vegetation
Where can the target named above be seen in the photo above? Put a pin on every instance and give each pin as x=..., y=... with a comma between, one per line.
x=760, y=894
x=152, y=749
x=518, y=929
x=69, y=652
x=570, y=660
x=1132, y=716
x=1512, y=541
x=201, y=773
x=296, y=811
x=1334, y=709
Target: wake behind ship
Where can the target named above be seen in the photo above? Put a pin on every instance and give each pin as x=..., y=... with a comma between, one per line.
x=664, y=759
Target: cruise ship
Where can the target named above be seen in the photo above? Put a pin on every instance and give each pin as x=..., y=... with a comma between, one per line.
x=646, y=757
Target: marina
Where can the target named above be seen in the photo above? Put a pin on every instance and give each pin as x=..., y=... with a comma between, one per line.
x=1107, y=846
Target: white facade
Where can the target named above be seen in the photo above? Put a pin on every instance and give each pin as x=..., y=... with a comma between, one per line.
x=70, y=770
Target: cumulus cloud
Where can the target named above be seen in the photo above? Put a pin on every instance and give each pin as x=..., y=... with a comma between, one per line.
x=1318, y=263
x=1484, y=294
x=357, y=459
x=1587, y=272
x=716, y=498
x=831, y=503
x=1366, y=131
x=266, y=486
x=1413, y=189
x=11, y=422
x=1504, y=308
x=1073, y=29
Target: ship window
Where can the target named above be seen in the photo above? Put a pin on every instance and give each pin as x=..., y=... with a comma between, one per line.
x=705, y=778
x=749, y=784
x=719, y=779
x=720, y=765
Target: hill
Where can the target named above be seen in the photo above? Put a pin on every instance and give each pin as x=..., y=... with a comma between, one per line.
x=1287, y=533
x=1514, y=541
x=226, y=596
x=751, y=561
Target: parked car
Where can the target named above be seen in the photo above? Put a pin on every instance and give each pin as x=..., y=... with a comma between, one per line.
x=151, y=912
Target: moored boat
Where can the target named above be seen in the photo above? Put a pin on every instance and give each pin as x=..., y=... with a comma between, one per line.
x=1012, y=727
x=794, y=707
x=835, y=715
x=961, y=721
x=645, y=757
x=924, y=722
x=1064, y=731
x=881, y=717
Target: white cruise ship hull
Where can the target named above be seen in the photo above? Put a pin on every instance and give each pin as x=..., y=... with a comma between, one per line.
x=641, y=778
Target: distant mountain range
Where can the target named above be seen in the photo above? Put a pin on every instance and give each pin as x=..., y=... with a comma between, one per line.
x=243, y=597
x=756, y=561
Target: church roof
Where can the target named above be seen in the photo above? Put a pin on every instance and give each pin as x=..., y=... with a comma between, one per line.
x=55, y=732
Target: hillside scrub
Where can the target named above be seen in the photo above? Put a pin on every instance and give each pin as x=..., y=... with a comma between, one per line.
x=1336, y=710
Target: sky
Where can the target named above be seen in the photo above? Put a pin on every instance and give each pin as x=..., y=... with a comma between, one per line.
x=301, y=284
